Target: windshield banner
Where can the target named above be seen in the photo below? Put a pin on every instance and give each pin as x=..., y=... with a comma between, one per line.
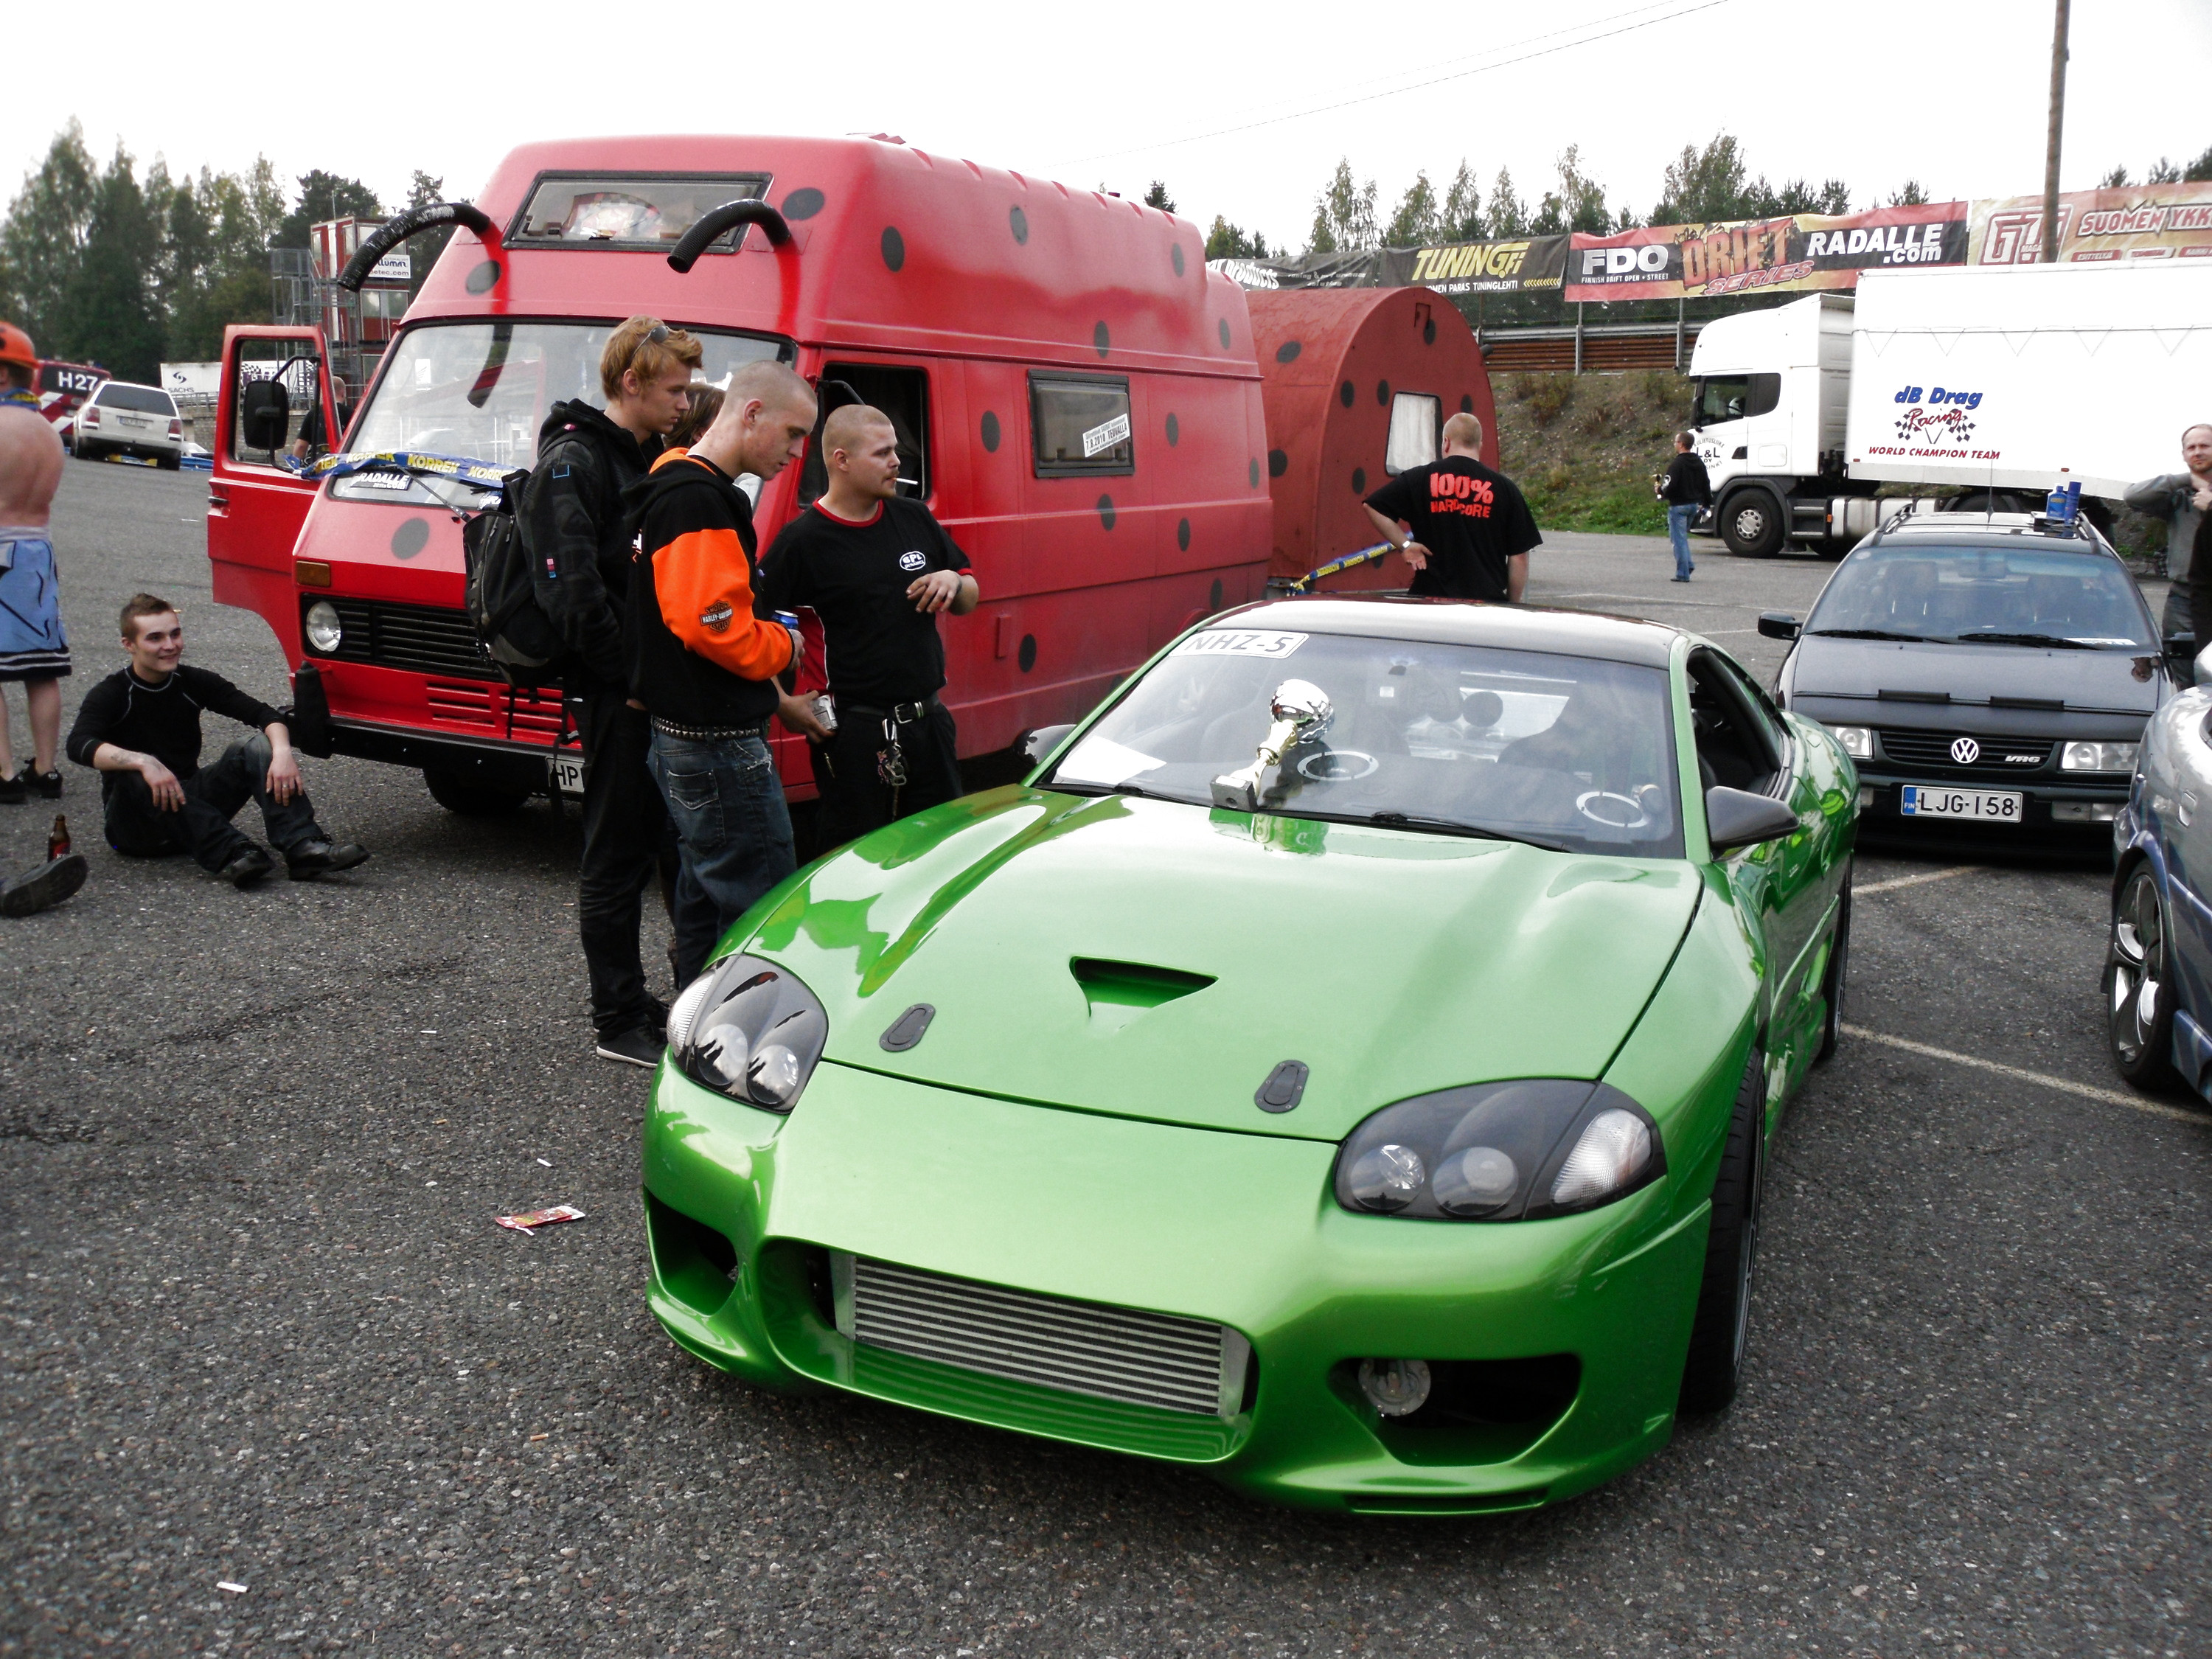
x=478, y=474
x=1794, y=252
x=2139, y=222
x=1511, y=266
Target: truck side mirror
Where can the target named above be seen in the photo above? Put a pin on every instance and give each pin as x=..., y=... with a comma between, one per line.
x=1778, y=624
x=265, y=410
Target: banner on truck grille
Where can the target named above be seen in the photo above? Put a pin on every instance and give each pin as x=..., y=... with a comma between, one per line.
x=1794, y=252
x=2139, y=221
x=1511, y=266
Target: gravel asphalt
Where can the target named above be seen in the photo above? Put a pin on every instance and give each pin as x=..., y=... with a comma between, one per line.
x=272, y=1383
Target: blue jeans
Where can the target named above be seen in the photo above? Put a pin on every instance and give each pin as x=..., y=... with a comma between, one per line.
x=1678, y=520
x=733, y=829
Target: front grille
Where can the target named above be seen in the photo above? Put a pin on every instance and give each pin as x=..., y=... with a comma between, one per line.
x=1084, y=1348
x=420, y=637
x=521, y=713
x=1933, y=749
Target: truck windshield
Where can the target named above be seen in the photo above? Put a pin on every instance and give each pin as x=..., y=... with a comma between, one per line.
x=2000, y=595
x=1568, y=753
x=481, y=389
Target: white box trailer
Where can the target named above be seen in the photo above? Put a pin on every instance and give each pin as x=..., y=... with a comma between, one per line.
x=2000, y=380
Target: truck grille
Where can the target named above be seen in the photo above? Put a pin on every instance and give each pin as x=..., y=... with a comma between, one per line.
x=520, y=714
x=1084, y=1348
x=420, y=637
x=1932, y=750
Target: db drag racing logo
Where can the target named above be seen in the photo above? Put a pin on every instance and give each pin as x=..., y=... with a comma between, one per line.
x=1944, y=418
x=1454, y=492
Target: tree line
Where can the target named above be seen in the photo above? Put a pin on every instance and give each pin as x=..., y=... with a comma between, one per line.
x=110, y=265
x=1703, y=185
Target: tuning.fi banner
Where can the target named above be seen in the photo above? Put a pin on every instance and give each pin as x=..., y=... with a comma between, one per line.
x=1513, y=265
x=1794, y=252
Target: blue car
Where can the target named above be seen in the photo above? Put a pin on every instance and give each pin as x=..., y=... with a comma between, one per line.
x=2158, y=966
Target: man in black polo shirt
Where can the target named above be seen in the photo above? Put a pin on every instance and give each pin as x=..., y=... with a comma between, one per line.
x=140, y=729
x=876, y=569
x=1470, y=531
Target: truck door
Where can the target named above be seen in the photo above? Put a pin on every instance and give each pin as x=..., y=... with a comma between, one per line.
x=273, y=379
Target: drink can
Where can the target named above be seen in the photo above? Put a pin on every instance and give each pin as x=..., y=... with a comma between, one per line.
x=788, y=618
x=825, y=710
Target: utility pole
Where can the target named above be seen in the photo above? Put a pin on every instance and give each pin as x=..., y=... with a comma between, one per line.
x=2057, y=122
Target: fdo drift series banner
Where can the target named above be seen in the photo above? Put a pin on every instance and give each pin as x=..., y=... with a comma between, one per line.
x=1797, y=252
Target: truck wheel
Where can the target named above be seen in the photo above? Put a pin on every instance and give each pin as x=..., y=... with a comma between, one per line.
x=1751, y=524
x=470, y=799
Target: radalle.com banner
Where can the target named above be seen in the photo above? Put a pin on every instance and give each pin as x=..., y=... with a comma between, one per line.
x=1797, y=251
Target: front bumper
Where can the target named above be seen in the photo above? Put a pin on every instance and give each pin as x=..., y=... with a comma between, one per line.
x=743, y=1208
x=2051, y=806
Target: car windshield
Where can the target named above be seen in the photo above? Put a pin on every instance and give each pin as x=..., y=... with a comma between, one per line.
x=1568, y=752
x=2007, y=595
x=139, y=399
x=481, y=390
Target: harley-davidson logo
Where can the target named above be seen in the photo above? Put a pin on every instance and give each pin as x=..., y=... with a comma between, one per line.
x=1966, y=751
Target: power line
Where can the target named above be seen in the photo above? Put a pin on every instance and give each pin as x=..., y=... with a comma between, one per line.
x=1398, y=92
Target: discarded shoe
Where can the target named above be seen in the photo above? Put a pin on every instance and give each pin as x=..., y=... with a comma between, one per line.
x=45, y=887
x=311, y=859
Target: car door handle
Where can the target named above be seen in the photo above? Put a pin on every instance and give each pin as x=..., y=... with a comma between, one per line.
x=2188, y=808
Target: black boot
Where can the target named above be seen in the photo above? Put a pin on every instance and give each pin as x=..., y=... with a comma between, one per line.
x=311, y=859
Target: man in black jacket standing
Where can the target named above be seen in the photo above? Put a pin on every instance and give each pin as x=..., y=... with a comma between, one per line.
x=1686, y=489
x=572, y=523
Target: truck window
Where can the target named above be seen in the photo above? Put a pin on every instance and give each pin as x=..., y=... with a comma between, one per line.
x=1416, y=422
x=901, y=393
x=626, y=210
x=266, y=359
x=481, y=390
x=1081, y=423
x=1737, y=397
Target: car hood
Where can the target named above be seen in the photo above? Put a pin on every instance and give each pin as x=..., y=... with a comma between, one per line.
x=1388, y=962
x=2099, y=681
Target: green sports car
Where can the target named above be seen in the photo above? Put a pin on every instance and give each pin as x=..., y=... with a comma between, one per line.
x=1346, y=1065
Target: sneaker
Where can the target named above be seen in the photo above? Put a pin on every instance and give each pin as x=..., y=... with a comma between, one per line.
x=48, y=784
x=246, y=866
x=636, y=1047
x=311, y=859
x=45, y=887
x=12, y=790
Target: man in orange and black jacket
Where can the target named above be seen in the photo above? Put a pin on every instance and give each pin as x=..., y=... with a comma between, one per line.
x=704, y=666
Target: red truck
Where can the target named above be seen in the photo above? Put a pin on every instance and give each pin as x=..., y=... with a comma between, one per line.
x=1076, y=396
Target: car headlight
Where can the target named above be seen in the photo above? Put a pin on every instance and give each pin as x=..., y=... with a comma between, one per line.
x=1857, y=740
x=749, y=1030
x=325, y=631
x=1500, y=1151
x=2098, y=758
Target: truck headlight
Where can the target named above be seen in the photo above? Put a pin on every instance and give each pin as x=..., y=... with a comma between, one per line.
x=1857, y=740
x=2098, y=758
x=749, y=1029
x=325, y=631
x=1500, y=1151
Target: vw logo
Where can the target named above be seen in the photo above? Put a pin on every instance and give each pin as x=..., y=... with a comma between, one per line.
x=1966, y=751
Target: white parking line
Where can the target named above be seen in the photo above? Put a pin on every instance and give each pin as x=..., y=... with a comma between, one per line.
x=1914, y=881
x=2110, y=1096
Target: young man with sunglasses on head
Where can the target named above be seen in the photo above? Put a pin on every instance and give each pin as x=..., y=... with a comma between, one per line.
x=572, y=521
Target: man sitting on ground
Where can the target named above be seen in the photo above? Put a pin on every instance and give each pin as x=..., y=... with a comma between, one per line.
x=140, y=728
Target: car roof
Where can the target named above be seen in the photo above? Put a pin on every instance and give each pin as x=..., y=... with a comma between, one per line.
x=129, y=386
x=1463, y=622
x=1988, y=530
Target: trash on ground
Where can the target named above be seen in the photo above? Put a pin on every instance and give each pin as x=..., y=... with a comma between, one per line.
x=530, y=1219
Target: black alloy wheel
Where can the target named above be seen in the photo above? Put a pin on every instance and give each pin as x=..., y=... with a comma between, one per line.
x=1722, y=1333
x=1835, y=980
x=2139, y=993
x=1751, y=524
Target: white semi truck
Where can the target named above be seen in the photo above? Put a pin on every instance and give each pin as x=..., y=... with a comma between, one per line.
x=1998, y=381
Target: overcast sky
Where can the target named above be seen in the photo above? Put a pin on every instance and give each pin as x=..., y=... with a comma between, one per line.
x=1241, y=109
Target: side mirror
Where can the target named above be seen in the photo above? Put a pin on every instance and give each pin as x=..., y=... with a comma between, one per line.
x=1036, y=744
x=1736, y=818
x=264, y=410
x=1778, y=624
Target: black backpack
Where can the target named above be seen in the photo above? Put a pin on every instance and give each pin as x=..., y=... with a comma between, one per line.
x=501, y=597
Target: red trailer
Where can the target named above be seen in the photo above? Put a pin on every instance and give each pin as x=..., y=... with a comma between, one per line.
x=1076, y=396
x=63, y=389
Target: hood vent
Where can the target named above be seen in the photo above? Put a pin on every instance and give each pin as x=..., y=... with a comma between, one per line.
x=1119, y=991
